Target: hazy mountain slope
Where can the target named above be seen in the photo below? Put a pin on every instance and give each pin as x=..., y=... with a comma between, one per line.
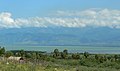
x=59, y=36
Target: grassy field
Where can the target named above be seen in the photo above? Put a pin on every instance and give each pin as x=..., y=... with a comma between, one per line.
x=28, y=67
x=48, y=66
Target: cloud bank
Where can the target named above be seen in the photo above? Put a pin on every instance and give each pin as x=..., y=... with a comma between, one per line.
x=90, y=17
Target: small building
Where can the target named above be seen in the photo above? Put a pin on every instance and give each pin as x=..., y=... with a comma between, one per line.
x=20, y=59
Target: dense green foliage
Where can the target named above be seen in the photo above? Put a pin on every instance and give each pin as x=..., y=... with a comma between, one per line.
x=2, y=51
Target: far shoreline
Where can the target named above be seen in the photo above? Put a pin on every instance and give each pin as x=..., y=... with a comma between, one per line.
x=72, y=49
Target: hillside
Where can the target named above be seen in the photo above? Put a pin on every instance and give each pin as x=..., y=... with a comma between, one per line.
x=60, y=36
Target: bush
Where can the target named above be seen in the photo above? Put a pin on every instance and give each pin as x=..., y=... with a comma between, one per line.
x=76, y=56
x=86, y=54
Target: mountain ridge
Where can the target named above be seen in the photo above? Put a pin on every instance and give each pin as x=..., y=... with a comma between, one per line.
x=60, y=36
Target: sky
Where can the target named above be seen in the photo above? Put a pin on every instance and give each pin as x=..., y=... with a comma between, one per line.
x=64, y=13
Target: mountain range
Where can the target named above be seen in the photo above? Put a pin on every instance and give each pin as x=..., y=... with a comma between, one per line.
x=60, y=36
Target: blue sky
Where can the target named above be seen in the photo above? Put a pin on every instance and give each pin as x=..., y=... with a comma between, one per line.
x=64, y=13
x=26, y=8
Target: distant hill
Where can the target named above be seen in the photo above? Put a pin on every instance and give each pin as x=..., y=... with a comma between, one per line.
x=60, y=36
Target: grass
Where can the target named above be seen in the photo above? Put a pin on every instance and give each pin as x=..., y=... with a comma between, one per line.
x=49, y=67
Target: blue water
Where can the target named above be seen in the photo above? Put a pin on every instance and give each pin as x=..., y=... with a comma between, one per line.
x=72, y=49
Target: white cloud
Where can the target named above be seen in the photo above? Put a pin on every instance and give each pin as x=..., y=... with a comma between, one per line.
x=90, y=17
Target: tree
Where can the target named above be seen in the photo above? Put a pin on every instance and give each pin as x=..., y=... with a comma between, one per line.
x=8, y=54
x=37, y=55
x=22, y=53
x=117, y=57
x=76, y=56
x=101, y=59
x=56, y=53
x=2, y=51
x=65, y=51
x=64, y=54
x=96, y=57
x=86, y=54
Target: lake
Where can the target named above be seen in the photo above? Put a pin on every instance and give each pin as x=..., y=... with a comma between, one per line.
x=72, y=49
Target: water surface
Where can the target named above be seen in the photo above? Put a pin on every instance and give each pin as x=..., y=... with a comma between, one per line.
x=73, y=49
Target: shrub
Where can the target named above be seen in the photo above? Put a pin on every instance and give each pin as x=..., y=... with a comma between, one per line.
x=76, y=56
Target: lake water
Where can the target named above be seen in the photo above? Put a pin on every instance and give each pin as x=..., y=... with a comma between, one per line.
x=73, y=49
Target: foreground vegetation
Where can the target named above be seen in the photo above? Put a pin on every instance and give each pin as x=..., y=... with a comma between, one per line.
x=58, y=61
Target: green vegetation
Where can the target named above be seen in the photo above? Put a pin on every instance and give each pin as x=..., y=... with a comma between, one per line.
x=58, y=61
